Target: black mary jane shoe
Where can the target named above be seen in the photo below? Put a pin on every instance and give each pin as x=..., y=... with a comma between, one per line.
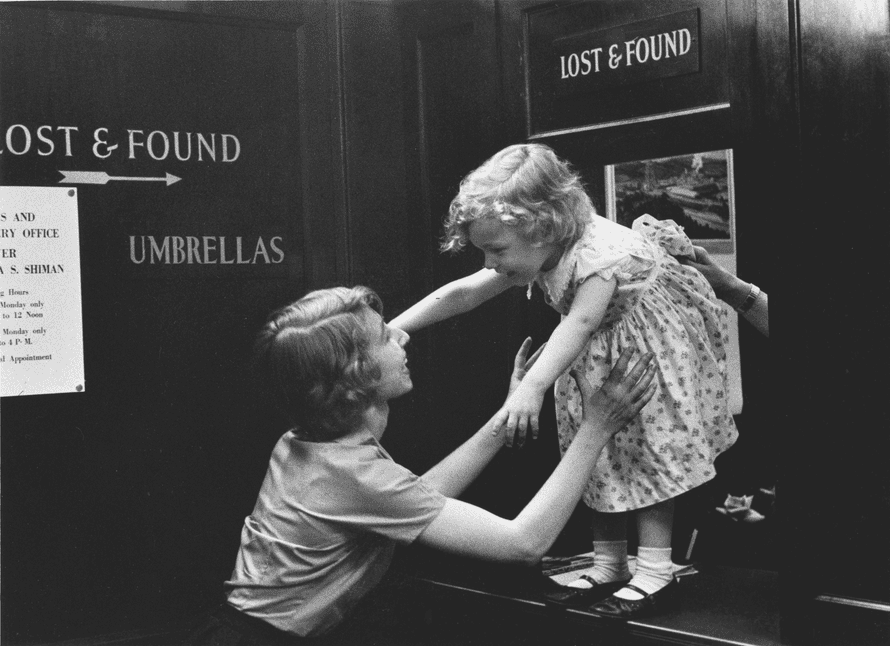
x=578, y=597
x=651, y=604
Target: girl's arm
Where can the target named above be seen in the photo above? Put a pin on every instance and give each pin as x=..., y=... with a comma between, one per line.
x=455, y=298
x=520, y=411
x=465, y=529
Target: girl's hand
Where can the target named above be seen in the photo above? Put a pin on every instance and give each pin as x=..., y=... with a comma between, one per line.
x=519, y=415
x=621, y=397
x=521, y=365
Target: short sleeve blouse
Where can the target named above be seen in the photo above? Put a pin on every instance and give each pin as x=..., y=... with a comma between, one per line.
x=323, y=530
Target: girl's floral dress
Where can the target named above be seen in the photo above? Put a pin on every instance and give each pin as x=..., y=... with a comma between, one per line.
x=663, y=307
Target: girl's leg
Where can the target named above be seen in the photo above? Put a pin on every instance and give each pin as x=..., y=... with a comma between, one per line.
x=609, y=527
x=654, y=566
x=610, y=551
x=655, y=524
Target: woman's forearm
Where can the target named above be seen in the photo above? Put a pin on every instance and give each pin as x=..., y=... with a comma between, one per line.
x=758, y=315
x=736, y=293
x=462, y=528
x=462, y=466
x=542, y=519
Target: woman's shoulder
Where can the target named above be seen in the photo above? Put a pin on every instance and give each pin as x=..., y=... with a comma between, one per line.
x=355, y=466
x=295, y=451
x=356, y=457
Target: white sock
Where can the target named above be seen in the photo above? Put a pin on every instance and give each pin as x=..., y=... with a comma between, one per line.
x=654, y=571
x=609, y=564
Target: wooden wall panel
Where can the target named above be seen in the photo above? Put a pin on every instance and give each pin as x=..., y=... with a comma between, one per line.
x=122, y=505
x=832, y=324
x=373, y=146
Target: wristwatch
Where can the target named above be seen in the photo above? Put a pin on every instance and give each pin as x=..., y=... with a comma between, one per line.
x=748, y=303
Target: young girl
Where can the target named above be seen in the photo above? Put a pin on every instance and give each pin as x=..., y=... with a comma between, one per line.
x=616, y=288
x=333, y=504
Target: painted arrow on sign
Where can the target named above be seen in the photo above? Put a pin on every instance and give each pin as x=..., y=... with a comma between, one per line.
x=101, y=177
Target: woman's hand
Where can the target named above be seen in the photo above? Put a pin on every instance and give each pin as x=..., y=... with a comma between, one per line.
x=621, y=397
x=732, y=290
x=522, y=363
x=728, y=288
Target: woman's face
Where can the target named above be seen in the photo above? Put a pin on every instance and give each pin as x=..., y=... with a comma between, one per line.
x=509, y=253
x=388, y=352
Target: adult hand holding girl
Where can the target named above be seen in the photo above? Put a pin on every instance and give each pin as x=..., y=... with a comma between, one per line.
x=620, y=398
x=611, y=407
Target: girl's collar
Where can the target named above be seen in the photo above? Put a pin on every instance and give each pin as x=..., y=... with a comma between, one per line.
x=555, y=281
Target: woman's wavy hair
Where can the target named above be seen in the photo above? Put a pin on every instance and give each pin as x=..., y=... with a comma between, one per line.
x=525, y=185
x=313, y=357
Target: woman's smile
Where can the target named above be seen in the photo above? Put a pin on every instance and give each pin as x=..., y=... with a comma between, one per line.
x=389, y=353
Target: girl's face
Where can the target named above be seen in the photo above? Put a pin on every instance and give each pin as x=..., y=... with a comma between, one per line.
x=388, y=352
x=510, y=253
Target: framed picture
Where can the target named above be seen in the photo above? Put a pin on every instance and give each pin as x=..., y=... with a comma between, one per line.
x=695, y=190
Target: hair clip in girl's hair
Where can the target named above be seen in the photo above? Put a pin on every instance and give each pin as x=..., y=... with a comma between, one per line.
x=502, y=212
x=528, y=294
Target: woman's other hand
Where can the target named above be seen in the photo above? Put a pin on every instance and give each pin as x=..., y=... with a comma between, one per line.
x=621, y=397
x=728, y=288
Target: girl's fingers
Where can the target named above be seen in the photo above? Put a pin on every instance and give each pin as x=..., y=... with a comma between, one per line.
x=534, y=427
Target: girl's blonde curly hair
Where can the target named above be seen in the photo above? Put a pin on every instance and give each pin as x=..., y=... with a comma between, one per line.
x=527, y=186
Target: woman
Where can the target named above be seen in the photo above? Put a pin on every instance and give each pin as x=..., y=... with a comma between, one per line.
x=333, y=504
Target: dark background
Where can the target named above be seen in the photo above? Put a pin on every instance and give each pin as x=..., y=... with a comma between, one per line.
x=122, y=506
